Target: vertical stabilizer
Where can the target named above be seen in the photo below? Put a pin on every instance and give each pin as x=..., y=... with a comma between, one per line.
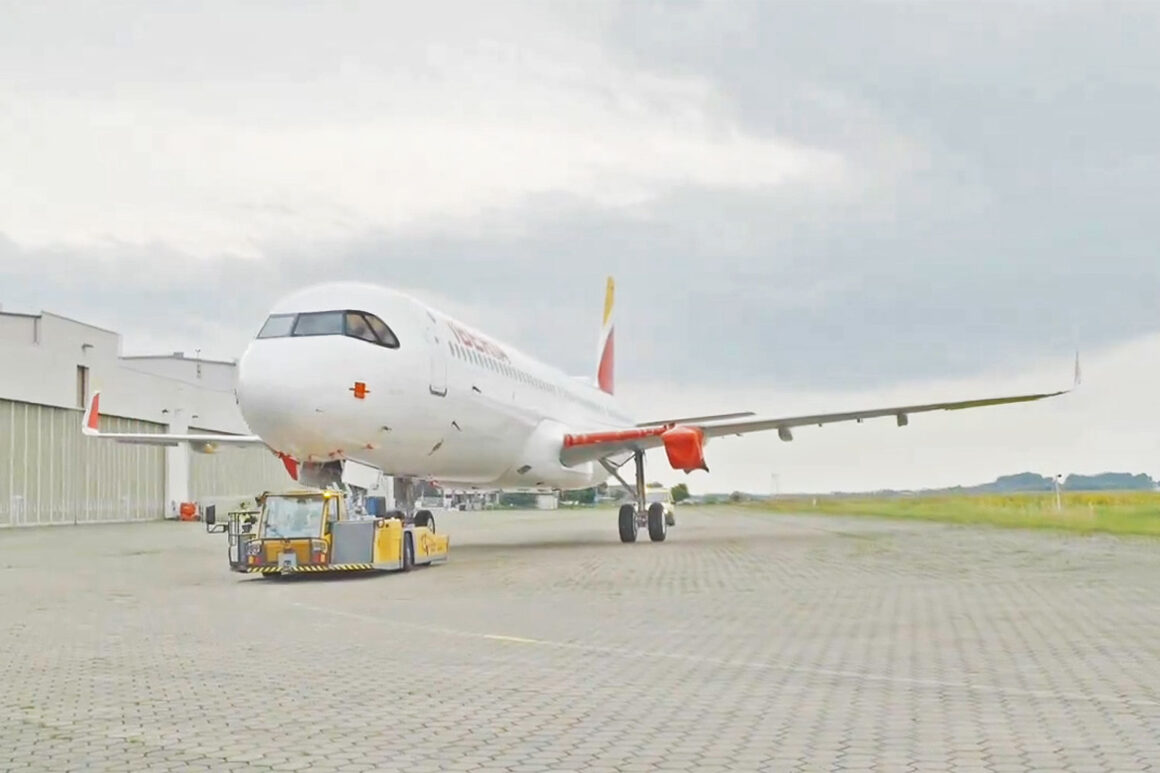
x=605, y=351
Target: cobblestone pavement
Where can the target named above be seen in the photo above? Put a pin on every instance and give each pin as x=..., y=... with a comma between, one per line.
x=744, y=642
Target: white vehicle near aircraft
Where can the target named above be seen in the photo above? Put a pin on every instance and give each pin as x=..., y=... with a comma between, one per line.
x=347, y=376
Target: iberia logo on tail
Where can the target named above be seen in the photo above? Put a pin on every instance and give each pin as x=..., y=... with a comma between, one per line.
x=604, y=363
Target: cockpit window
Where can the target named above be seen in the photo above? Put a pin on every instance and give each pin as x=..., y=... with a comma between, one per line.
x=319, y=323
x=386, y=337
x=277, y=326
x=355, y=324
x=358, y=327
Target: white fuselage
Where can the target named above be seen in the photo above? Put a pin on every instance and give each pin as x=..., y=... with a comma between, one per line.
x=449, y=404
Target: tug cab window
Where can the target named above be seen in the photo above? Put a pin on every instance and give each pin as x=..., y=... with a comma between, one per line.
x=355, y=324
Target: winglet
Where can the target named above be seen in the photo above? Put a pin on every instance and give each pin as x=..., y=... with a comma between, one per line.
x=90, y=424
x=604, y=364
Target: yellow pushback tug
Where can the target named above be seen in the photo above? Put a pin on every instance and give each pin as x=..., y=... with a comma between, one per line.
x=312, y=531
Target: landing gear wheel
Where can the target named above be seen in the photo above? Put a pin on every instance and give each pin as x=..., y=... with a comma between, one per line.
x=658, y=527
x=408, y=553
x=628, y=528
x=425, y=518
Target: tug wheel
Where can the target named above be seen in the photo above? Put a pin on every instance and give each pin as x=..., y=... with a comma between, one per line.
x=408, y=553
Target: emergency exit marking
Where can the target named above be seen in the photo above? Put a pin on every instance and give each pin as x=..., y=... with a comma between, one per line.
x=360, y=390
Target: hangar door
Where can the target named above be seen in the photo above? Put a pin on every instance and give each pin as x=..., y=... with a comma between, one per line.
x=52, y=474
x=234, y=474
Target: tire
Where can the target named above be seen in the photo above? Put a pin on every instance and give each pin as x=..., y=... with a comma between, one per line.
x=628, y=527
x=425, y=518
x=657, y=525
x=408, y=553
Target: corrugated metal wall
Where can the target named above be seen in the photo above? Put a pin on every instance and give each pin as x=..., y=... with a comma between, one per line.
x=51, y=474
x=234, y=473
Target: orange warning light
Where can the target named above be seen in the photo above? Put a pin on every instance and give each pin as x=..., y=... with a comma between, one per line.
x=360, y=390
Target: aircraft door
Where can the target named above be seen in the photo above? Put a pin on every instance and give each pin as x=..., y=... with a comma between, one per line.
x=438, y=350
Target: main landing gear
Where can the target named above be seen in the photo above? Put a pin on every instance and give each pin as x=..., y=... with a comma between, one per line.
x=641, y=514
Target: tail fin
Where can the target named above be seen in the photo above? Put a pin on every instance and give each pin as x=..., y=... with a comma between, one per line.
x=91, y=422
x=604, y=360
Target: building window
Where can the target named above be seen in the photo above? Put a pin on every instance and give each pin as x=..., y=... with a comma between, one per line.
x=82, y=386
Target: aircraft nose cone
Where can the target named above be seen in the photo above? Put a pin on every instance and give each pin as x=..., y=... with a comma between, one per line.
x=274, y=391
x=300, y=401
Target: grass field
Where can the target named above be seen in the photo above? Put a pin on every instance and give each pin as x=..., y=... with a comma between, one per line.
x=1133, y=512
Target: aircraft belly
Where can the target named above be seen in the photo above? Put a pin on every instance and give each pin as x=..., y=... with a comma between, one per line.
x=472, y=441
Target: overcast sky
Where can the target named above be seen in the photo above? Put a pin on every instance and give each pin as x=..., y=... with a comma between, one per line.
x=846, y=201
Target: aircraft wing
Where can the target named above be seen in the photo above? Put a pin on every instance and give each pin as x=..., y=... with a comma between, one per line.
x=580, y=448
x=692, y=419
x=91, y=423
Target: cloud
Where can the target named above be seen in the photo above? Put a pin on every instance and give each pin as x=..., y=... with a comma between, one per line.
x=794, y=199
x=237, y=165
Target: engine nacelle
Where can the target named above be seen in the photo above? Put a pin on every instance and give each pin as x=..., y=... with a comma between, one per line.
x=685, y=447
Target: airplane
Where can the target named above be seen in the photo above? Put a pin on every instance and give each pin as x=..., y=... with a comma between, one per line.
x=349, y=376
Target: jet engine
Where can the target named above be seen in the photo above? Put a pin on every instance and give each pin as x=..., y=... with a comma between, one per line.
x=685, y=448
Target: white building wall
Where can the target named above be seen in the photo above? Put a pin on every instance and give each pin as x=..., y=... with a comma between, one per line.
x=45, y=373
x=18, y=328
x=51, y=473
x=207, y=374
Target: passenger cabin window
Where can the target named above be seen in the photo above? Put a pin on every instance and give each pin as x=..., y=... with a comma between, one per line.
x=353, y=324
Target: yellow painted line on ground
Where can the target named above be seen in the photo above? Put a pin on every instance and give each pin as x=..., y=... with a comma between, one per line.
x=519, y=639
x=862, y=676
